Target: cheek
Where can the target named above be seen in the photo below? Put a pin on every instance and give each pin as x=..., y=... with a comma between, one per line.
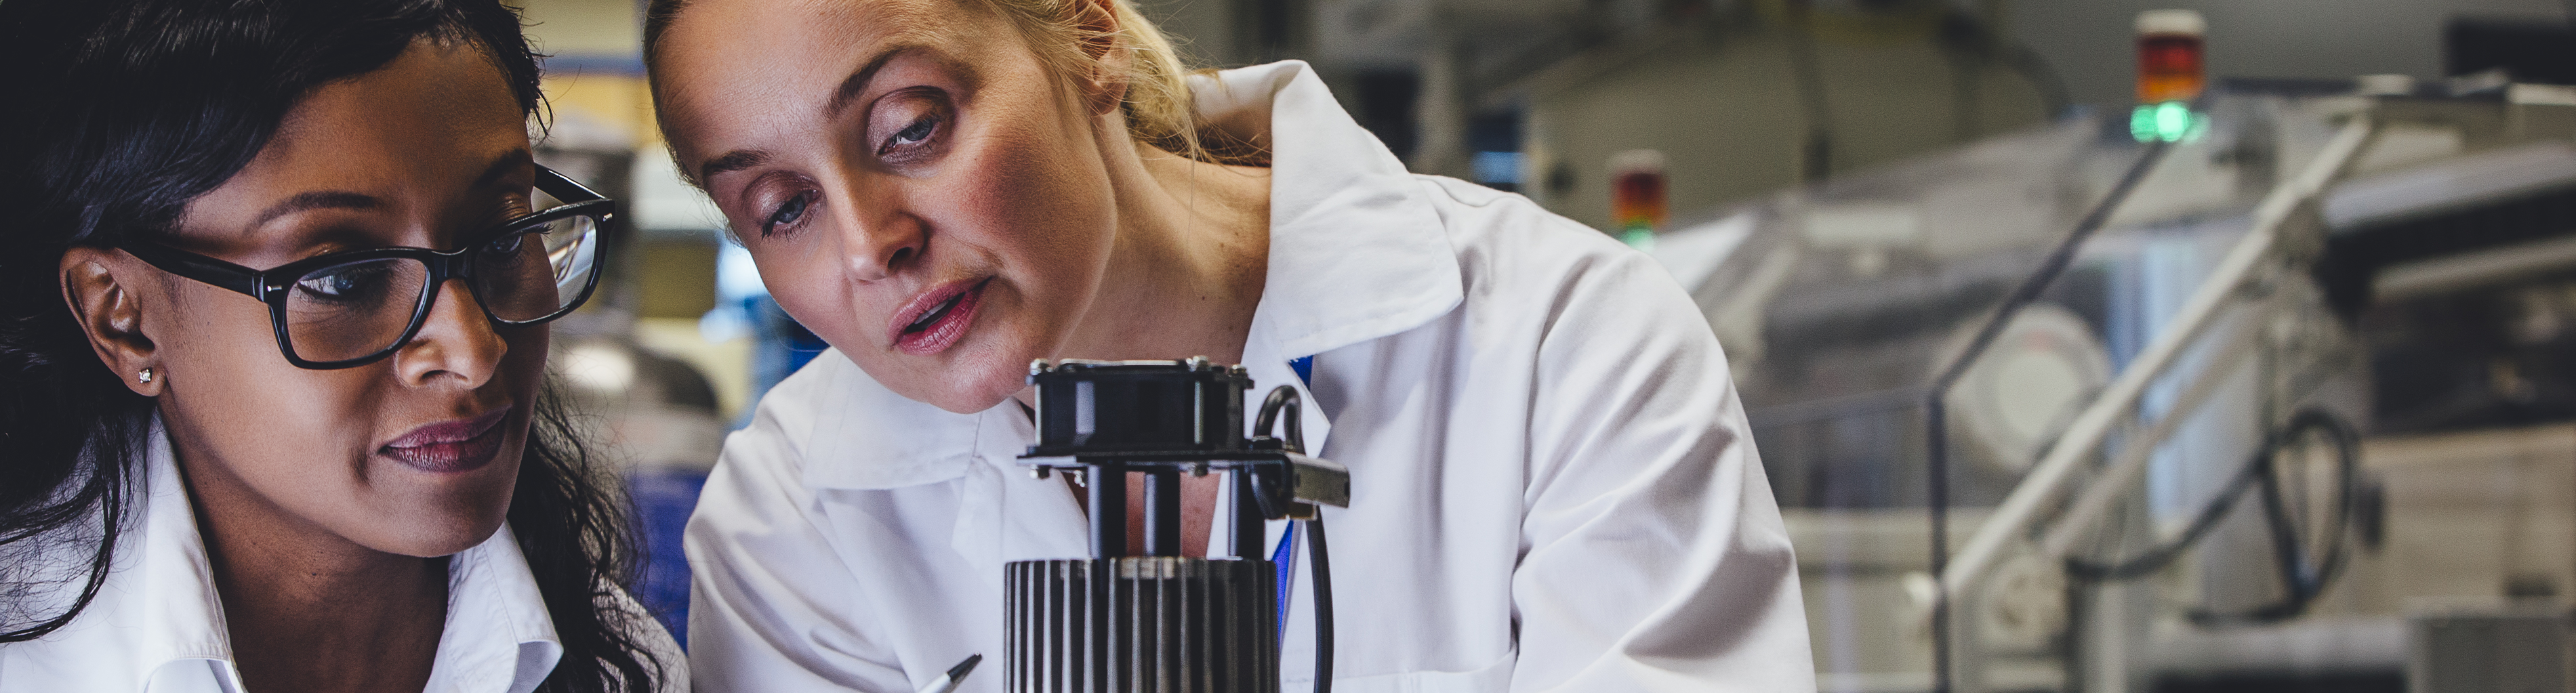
x=1040, y=204
x=225, y=368
x=805, y=277
x=303, y=440
x=524, y=367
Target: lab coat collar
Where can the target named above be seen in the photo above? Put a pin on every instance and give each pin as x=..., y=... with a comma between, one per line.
x=499, y=636
x=1357, y=252
x=159, y=616
x=159, y=609
x=864, y=436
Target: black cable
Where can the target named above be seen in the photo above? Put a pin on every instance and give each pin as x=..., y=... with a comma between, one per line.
x=2155, y=559
x=1936, y=427
x=2301, y=580
x=1323, y=603
x=1284, y=399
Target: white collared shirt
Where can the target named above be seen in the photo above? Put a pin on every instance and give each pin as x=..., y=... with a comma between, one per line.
x=157, y=625
x=1553, y=487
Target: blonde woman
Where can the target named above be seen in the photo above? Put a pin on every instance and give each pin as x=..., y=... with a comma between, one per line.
x=1553, y=484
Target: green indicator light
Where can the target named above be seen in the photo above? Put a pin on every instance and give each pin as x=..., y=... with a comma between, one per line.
x=1638, y=237
x=2173, y=121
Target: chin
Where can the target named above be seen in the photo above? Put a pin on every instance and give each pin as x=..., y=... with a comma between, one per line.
x=970, y=398
x=446, y=523
x=445, y=539
x=972, y=384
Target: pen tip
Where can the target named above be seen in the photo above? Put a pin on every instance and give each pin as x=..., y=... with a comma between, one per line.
x=959, y=671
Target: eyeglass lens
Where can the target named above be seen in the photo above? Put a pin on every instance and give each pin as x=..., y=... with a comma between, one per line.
x=356, y=309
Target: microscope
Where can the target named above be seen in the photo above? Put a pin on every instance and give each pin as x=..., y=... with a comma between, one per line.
x=1147, y=619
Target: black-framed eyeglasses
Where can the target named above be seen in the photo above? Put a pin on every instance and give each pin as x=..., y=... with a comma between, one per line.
x=349, y=309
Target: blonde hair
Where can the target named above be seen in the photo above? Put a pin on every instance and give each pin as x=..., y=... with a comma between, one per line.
x=1158, y=105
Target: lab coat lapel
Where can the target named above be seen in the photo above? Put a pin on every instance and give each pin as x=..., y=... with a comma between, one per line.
x=881, y=440
x=1357, y=250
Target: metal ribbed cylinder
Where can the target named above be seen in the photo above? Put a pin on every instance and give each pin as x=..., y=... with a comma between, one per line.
x=1143, y=624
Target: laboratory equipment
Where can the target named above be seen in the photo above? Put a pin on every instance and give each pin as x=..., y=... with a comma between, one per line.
x=1983, y=380
x=2169, y=55
x=2170, y=77
x=1637, y=194
x=2479, y=652
x=1147, y=618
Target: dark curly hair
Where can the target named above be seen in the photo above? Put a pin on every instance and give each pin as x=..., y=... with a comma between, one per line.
x=117, y=114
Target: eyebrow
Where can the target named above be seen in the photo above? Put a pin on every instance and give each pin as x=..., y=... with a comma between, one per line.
x=732, y=161
x=500, y=167
x=312, y=200
x=857, y=83
x=504, y=165
x=850, y=89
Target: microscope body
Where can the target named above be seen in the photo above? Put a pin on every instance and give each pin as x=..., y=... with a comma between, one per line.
x=1147, y=619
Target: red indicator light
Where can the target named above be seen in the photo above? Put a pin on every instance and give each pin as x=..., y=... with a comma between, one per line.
x=2170, y=46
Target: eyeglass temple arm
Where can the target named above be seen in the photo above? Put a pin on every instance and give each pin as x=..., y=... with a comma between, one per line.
x=563, y=187
x=219, y=273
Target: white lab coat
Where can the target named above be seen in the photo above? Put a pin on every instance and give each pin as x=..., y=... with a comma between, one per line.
x=157, y=625
x=1552, y=485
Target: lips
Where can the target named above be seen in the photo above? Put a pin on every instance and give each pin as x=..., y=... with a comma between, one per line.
x=937, y=318
x=446, y=447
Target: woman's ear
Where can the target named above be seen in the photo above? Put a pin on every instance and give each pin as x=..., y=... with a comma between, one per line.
x=1104, y=52
x=96, y=285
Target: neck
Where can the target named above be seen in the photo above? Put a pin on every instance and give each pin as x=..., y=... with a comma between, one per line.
x=308, y=609
x=1188, y=267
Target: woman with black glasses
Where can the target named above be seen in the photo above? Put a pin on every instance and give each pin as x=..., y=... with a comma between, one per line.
x=273, y=283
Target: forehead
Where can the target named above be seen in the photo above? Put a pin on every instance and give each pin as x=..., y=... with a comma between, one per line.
x=729, y=71
x=432, y=107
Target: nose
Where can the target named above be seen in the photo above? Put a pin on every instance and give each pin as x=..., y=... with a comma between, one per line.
x=880, y=236
x=454, y=342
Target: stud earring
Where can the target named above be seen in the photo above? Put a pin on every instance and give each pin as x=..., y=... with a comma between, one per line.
x=143, y=377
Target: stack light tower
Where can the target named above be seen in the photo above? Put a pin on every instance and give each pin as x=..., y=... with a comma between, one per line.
x=2171, y=74
x=1638, y=203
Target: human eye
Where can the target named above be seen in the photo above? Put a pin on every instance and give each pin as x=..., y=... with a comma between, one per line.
x=507, y=242
x=347, y=284
x=787, y=214
x=910, y=125
x=916, y=133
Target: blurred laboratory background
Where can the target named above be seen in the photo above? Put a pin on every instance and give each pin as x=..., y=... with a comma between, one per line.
x=2089, y=345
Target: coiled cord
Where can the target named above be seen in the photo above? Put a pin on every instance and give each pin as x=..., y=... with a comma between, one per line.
x=2301, y=579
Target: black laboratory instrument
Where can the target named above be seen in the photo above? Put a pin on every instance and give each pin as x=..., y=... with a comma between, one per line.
x=1147, y=619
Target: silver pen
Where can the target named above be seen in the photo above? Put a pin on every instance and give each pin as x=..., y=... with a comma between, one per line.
x=956, y=674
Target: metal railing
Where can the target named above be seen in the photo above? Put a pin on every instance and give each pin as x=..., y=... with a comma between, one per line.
x=2284, y=223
